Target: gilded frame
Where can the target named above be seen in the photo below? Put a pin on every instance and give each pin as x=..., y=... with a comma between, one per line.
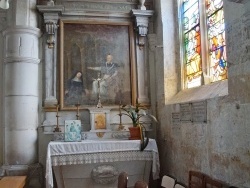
x=84, y=48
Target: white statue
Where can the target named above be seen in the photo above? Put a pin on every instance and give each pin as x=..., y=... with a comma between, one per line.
x=141, y=6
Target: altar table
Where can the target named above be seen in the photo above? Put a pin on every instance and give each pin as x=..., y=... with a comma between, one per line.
x=99, y=151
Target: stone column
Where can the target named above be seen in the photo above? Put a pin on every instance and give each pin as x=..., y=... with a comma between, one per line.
x=51, y=15
x=21, y=95
x=141, y=23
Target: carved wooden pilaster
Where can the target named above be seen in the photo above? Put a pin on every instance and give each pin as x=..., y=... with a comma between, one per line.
x=51, y=16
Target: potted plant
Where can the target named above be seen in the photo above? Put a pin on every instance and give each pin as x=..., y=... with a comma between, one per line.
x=135, y=113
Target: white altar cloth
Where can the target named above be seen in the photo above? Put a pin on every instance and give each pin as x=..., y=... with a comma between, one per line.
x=94, y=151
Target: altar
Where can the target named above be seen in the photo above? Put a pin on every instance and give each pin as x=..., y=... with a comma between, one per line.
x=97, y=163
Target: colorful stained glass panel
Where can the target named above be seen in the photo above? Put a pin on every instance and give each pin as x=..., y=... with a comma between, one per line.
x=213, y=5
x=217, y=46
x=190, y=14
x=191, y=22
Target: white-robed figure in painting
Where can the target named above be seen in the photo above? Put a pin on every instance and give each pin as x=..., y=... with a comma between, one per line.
x=107, y=79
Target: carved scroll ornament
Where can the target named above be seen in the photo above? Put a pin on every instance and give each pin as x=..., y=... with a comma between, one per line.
x=51, y=28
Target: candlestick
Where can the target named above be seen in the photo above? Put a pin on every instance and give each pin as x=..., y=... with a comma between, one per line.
x=121, y=127
x=120, y=108
x=77, y=111
x=57, y=128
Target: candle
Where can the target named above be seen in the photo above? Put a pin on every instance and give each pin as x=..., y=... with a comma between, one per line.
x=57, y=109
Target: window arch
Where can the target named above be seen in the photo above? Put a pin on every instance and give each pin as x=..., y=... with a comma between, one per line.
x=204, y=42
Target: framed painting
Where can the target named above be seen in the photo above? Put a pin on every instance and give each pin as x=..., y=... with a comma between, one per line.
x=72, y=131
x=97, y=63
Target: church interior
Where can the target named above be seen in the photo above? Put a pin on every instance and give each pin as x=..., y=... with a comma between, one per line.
x=78, y=75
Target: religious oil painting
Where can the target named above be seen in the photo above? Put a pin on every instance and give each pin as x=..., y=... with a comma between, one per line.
x=72, y=131
x=100, y=121
x=96, y=64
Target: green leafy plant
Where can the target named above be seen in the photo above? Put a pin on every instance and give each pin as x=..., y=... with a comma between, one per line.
x=135, y=113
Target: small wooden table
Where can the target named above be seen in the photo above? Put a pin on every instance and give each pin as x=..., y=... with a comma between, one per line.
x=12, y=182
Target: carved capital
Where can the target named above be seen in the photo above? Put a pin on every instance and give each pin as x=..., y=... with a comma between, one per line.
x=51, y=15
x=142, y=25
x=51, y=28
x=141, y=22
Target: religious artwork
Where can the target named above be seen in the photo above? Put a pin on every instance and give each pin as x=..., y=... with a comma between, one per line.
x=192, y=41
x=216, y=36
x=72, y=130
x=96, y=64
x=100, y=121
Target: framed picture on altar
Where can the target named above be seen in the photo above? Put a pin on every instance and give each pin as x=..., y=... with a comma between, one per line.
x=97, y=63
x=72, y=131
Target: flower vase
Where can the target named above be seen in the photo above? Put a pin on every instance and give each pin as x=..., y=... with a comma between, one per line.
x=135, y=133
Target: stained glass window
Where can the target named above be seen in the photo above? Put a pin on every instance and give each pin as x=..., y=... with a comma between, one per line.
x=192, y=42
x=216, y=37
x=215, y=32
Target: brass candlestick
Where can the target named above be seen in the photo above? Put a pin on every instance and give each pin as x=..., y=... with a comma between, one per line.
x=57, y=128
x=99, y=104
x=121, y=127
x=77, y=111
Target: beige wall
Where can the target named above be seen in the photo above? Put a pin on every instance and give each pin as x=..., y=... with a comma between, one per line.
x=220, y=147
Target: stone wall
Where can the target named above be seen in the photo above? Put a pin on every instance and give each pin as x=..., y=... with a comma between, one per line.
x=2, y=26
x=219, y=147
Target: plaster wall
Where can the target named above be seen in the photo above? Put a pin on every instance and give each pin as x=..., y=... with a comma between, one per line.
x=220, y=147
